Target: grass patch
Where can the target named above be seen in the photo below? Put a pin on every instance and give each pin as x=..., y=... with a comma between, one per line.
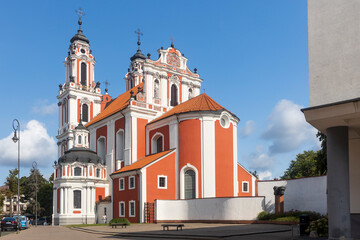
x=287, y=219
x=86, y=225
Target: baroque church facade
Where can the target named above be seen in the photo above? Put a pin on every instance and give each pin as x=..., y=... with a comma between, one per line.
x=161, y=139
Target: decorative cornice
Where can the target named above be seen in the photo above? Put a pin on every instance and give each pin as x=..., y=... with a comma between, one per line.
x=72, y=96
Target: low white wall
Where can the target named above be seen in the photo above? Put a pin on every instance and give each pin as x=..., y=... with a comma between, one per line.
x=228, y=209
x=303, y=194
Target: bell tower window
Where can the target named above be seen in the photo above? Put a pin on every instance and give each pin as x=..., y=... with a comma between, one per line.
x=156, y=89
x=85, y=113
x=83, y=74
x=174, y=94
x=190, y=93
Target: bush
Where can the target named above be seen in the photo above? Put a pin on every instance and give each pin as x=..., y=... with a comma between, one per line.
x=120, y=220
x=295, y=215
x=320, y=226
x=263, y=216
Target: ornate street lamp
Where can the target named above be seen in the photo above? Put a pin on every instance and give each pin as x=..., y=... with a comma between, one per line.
x=16, y=127
x=36, y=211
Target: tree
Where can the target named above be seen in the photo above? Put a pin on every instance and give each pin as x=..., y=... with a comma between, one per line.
x=11, y=192
x=255, y=174
x=303, y=166
x=321, y=158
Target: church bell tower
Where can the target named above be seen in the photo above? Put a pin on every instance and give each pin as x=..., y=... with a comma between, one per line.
x=79, y=97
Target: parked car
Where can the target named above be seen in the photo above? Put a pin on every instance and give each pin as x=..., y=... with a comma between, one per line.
x=40, y=221
x=24, y=223
x=9, y=223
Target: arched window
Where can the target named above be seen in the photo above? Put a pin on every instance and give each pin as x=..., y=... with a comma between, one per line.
x=77, y=171
x=131, y=83
x=101, y=148
x=79, y=139
x=85, y=113
x=65, y=112
x=120, y=145
x=157, y=143
x=174, y=97
x=156, y=89
x=189, y=184
x=83, y=74
x=77, y=199
x=190, y=93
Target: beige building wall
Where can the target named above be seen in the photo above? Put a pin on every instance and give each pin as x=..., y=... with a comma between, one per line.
x=334, y=50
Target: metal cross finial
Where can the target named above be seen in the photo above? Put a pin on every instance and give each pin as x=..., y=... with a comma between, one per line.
x=80, y=12
x=172, y=41
x=139, y=34
x=106, y=84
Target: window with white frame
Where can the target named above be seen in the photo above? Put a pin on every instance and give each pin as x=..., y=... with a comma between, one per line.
x=97, y=172
x=121, y=184
x=77, y=171
x=132, y=209
x=132, y=182
x=245, y=186
x=162, y=182
x=121, y=209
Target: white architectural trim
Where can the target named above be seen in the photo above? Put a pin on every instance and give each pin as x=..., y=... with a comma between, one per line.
x=208, y=157
x=158, y=181
x=123, y=181
x=182, y=180
x=134, y=138
x=132, y=202
x=132, y=177
x=253, y=182
x=235, y=174
x=153, y=141
x=120, y=203
x=242, y=186
x=143, y=187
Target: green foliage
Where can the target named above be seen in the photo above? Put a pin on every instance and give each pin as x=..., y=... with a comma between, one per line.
x=309, y=163
x=2, y=198
x=303, y=166
x=45, y=198
x=255, y=174
x=292, y=216
x=120, y=220
x=12, y=182
x=320, y=226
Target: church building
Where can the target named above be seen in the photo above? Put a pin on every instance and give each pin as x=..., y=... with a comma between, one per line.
x=161, y=139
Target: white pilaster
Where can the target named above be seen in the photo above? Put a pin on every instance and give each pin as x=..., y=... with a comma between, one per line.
x=134, y=138
x=236, y=187
x=61, y=200
x=66, y=200
x=174, y=143
x=127, y=150
x=208, y=157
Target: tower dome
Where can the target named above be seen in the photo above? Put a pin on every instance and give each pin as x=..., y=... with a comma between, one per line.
x=79, y=35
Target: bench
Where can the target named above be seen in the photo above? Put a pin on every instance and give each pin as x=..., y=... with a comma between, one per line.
x=178, y=226
x=118, y=224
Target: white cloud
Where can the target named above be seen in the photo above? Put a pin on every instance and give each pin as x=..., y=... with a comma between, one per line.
x=287, y=128
x=259, y=159
x=43, y=108
x=36, y=145
x=265, y=175
x=248, y=129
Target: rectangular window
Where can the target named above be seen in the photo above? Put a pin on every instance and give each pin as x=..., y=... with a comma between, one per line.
x=77, y=199
x=77, y=171
x=97, y=172
x=132, y=209
x=132, y=182
x=162, y=182
x=121, y=184
x=105, y=211
x=121, y=209
x=245, y=186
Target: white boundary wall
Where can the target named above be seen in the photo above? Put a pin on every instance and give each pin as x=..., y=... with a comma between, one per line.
x=209, y=209
x=303, y=194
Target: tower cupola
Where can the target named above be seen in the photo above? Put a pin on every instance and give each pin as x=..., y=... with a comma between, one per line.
x=81, y=136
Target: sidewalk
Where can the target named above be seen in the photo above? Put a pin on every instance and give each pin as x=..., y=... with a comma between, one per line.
x=154, y=231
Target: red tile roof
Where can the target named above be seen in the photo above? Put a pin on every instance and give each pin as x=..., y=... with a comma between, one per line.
x=200, y=103
x=142, y=162
x=118, y=104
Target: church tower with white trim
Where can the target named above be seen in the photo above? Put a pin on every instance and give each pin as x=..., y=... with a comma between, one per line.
x=79, y=97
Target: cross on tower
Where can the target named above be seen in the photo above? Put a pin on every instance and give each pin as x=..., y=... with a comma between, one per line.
x=106, y=83
x=81, y=13
x=139, y=34
x=172, y=41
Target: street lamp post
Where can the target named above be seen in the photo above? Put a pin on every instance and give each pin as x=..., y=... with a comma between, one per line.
x=16, y=127
x=36, y=211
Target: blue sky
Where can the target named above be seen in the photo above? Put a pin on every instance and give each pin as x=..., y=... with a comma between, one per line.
x=252, y=56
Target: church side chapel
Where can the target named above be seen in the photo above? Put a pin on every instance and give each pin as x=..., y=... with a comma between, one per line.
x=161, y=139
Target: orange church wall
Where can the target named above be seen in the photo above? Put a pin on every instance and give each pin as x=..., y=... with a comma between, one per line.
x=164, y=167
x=91, y=111
x=190, y=146
x=224, y=161
x=99, y=192
x=141, y=147
x=164, y=131
x=126, y=196
x=243, y=175
x=78, y=110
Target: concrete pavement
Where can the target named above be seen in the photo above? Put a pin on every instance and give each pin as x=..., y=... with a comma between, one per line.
x=154, y=231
